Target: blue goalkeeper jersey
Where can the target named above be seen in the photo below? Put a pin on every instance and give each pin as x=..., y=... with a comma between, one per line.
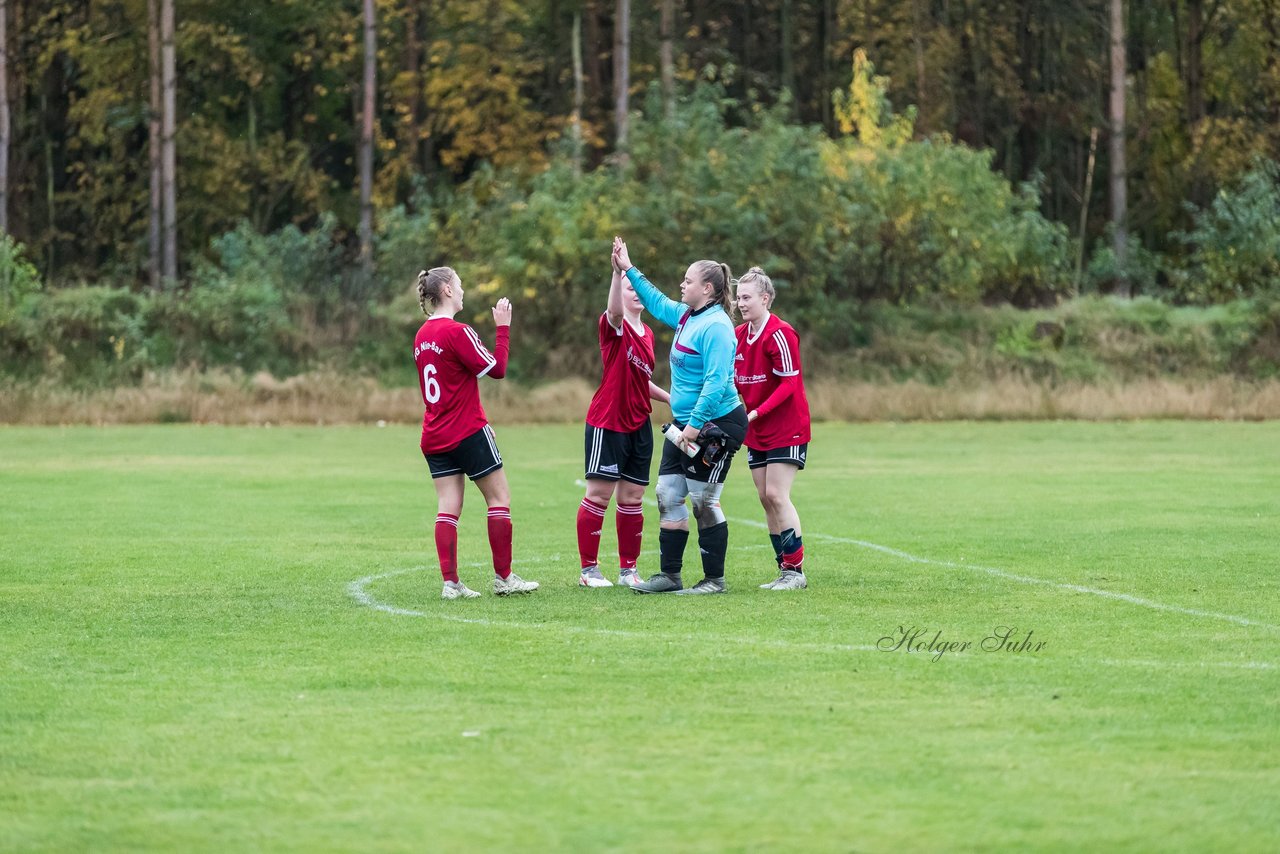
x=701, y=358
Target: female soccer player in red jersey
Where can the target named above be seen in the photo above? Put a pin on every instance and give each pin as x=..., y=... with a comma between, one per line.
x=767, y=373
x=619, y=438
x=456, y=436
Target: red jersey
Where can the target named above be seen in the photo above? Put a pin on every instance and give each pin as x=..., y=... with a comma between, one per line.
x=621, y=403
x=767, y=372
x=450, y=358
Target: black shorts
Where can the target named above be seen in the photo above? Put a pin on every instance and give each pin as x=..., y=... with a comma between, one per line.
x=612, y=455
x=792, y=455
x=676, y=461
x=475, y=456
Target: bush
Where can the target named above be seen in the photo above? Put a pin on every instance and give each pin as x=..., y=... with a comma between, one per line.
x=835, y=223
x=18, y=277
x=1235, y=242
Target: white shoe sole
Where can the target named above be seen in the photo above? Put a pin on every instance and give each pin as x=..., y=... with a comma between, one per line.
x=584, y=581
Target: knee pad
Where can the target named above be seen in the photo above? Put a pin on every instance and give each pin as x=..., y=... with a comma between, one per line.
x=672, y=490
x=705, y=498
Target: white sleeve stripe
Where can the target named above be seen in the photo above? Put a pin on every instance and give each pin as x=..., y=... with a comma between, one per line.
x=786, y=373
x=784, y=350
x=487, y=368
x=480, y=348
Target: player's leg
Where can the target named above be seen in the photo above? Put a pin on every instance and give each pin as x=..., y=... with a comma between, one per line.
x=449, y=488
x=629, y=519
x=629, y=523
x=757, y=460
x=483, y=464
x=705, y=486
x=602, y=475
x=673, y=522
x=778, y=482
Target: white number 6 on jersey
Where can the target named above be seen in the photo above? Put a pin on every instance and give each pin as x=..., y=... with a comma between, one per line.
x=430, y=388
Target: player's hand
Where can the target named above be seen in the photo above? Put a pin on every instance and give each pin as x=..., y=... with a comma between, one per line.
x=752, y=416
x=621, y=257
x=613, y=255
x=689, y=435
x=502, y=312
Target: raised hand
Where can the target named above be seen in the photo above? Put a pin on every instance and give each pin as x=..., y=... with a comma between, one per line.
x=621, y=257
x=502, y=312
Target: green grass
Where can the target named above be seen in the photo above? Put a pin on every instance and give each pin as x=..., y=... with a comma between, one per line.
x=183, y=665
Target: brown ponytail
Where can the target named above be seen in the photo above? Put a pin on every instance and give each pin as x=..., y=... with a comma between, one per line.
x=718, y=276
x=430, y=285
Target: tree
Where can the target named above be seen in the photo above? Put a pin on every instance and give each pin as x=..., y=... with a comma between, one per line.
x=369, y=100
x=666, y=60
x=622, y=71
x=169, y=201
x=1119, y=196
x=4, y=117
x=156, y=171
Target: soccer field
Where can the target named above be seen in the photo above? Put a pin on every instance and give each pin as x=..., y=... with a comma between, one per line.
x=232, y=638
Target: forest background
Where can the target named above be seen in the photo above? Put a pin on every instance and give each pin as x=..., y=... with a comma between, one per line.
x=1023, y=203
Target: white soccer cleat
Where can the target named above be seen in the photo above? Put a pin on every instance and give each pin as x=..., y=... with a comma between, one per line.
x=512, y=584
x=457, y=590
x=788, y=580
x=593, y=577
x=629, y=578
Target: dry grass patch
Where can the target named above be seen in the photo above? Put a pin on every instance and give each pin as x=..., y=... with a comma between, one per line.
x=328, y=398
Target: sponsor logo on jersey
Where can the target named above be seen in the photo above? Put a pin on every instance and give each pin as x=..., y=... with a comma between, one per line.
x=424, y=346
x=754, y=379
x=636, y=361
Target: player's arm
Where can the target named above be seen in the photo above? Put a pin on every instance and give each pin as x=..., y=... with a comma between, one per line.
x=613, y=311
x=613, y=308
x=657, y=392
x=501, y=347
x=659, y=305
x=783, y=350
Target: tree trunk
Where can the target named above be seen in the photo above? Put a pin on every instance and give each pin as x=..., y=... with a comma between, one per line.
x=1119, y=191
x=1084, y=204
x=1194, y=53
x=666, y=59
x=366, y=137
x=155, y=221
x=4, y=117
x=825, y=87
x=591, y=54
x=788, y=56
x=168, y=131
x=622, y=70
x=577, y=92
x=917, y=48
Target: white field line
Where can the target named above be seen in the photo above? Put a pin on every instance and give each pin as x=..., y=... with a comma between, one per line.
x=358, y=590
x=1013, y=576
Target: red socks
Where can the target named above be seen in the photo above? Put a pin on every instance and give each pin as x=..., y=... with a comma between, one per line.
x=630, y=523
x=794, y=560
x=500, y=539
x=447, y=545
x=590, y=523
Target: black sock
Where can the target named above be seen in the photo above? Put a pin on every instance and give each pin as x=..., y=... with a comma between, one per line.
x=790, y=543
x=776, y=541
x=671, y=550
x=713, y=542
